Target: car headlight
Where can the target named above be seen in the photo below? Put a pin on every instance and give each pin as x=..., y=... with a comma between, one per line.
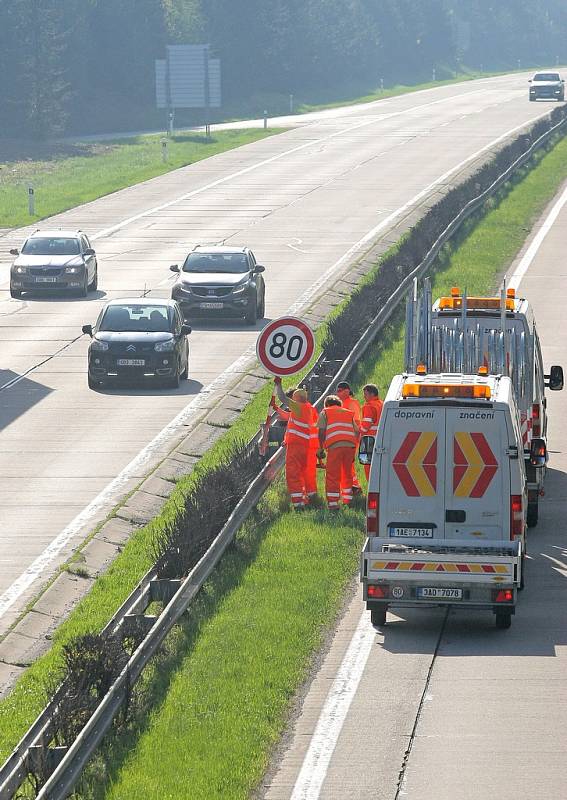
x=98, y=345
x=73, y=270
x=20, y=270
x=178, y=288
x=165, y=347
x=241, y=287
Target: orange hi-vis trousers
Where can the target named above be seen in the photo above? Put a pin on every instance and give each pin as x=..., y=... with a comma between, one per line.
x=311, y=472
x=338, y=481
x=296, y=472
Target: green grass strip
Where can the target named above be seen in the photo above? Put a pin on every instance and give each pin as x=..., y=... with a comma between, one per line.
x=64, y=181
x=214, y=717
x=486, y=252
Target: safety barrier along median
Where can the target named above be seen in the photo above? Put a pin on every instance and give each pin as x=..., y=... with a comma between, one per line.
x=176, y=593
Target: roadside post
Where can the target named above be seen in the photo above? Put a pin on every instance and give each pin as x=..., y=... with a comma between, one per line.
x=265, y=119
x=31, y=201
x=164, y=154
x=284, y=347
x=381, y=84
x=291, y=104
x=433, y=75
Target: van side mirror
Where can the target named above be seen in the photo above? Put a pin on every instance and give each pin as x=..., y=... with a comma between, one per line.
x=538, y=453
x=186, y=330
x=366, y=449
x=14, y=251
x=259, y=268
x=174, y=268
x=88, y=329
x=89, y=252
x=554, y=381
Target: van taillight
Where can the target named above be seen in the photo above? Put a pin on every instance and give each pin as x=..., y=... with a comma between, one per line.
x=372, y=513
x=536, y=420
x=516, y=517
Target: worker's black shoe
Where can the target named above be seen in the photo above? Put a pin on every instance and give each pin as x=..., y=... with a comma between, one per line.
x=357, y=489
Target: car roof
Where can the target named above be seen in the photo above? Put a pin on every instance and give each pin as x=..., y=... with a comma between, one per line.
x=203, y=248
x=58, y=233
x=140, y=301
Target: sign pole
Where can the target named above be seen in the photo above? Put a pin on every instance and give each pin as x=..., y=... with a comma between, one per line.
x=31, y=201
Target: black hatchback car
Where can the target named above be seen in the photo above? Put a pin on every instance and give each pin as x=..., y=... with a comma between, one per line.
x=138, y=339
x=221, y=281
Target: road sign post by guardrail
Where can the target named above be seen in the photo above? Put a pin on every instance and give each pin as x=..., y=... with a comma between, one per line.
x=31, y=201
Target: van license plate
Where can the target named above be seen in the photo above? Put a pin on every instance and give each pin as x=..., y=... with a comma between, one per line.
x=130, y=362
x=415, y=533
x=439, y=593
x=211, y=305
x=45, y=279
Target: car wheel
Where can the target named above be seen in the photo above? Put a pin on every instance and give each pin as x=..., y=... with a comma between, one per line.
x=84, y=290
x=16, y=293
x=94, y=385
x=173, y=383
x=94, y=285
x=251, y=317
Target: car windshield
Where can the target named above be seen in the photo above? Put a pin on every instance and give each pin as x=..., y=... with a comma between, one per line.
x=547, y=76
x=141, y=318
x=51, y=246
x=216, y=262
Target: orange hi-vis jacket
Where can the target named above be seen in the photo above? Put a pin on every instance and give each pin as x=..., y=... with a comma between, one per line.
x=353, y=405
x=339, y=426
x=300, y=425
x=371, y=413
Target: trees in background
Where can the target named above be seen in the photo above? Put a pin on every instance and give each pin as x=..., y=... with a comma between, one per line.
x=91, y=62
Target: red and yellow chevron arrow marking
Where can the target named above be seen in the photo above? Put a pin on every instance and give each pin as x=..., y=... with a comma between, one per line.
x=440, y=566
x=415, y=464
x=474, y=465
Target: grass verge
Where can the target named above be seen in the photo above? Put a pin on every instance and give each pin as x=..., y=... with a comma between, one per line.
x=210, y=716
x=77, y=173
x=480, y=256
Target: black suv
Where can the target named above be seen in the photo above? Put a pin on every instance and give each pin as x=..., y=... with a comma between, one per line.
x=224, y=281
x=548, y=86
x=55, y=259
x=138, y=339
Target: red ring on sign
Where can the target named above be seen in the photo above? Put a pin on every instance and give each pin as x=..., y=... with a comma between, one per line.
x=273, y=326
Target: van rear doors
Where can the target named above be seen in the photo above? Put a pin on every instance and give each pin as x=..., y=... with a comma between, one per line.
x=444, y=474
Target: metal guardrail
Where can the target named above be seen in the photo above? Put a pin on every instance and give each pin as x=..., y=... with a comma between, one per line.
x=68, y=763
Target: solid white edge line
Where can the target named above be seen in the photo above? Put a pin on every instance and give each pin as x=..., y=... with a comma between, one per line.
x=108, y=497
x=531, y=252
x=345, y=685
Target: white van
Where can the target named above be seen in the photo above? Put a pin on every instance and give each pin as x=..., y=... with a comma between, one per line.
x=447, y=495
x=436, y=339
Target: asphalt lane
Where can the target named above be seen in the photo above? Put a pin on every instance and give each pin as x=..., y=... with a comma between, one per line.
x=308, y=202
x=458, y=709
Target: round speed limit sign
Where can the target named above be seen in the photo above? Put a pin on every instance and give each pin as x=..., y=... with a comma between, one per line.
x=285, y=346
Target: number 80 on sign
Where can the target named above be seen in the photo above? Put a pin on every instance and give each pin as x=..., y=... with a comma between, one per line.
x=285, y=346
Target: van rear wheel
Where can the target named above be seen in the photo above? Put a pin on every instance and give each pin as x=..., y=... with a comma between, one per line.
x=533, y=514
x=378, y=615
x=503, y=620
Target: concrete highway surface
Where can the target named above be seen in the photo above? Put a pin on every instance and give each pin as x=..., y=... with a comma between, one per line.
x=446, y=707
x=309, y=202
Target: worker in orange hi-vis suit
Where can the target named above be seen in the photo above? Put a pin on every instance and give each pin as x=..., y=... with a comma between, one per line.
x=347, y=398
x=371, y=413
x=338, y=435
x=311, y=473
x=298, y=444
